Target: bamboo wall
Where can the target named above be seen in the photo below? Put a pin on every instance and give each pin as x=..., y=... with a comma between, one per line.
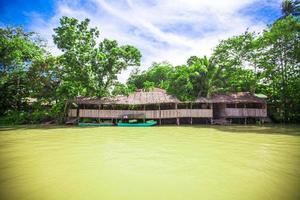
x=149, y=114
x=165, y=114
x=72, y=113
x=244, y=112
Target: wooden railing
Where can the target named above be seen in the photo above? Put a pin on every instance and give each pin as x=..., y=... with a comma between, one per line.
x=149, y=114
x=72, y=113
x=245, y=112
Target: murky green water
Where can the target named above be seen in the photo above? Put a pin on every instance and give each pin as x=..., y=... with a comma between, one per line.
x=158, y=163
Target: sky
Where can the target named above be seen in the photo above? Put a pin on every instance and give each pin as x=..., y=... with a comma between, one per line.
x=165, y=30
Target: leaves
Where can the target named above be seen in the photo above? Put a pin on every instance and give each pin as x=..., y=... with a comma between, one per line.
x=90, y=70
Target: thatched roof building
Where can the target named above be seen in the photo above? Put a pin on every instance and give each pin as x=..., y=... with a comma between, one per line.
x=140, y=97
x=156, y=104
x=239, y=97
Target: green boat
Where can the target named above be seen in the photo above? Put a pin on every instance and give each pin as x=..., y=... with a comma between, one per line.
x=147, y=123
x=96, y=124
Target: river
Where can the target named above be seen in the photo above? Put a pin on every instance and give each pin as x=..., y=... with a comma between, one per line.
x=155, y=163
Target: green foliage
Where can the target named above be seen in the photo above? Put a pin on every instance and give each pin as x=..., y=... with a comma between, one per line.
x=181, y=85
x=90, y=70
x=120, y=89
x=280, y=61
x=17, y=49
x=26, y=117
x=198, y=78
x=156, y=76
x=87, y=120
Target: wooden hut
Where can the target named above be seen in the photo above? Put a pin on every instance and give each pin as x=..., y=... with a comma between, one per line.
x=239, y=107
x=155, y=104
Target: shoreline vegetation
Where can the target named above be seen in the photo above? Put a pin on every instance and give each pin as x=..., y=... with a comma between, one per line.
x=35, y=85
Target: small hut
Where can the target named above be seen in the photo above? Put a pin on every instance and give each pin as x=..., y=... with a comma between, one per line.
x=239, y=107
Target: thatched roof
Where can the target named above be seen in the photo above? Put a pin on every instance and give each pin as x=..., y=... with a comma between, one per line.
x=97, y=101
x=202, y=100
x=140, y=97
x=240, y=97
x=160, y=96
x=154, y=96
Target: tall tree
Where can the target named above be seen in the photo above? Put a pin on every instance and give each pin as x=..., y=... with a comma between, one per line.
x=90, y=70
x=239, y=54
x=18, y=49
x=77, y=42
x=109, y=60
x=206, y=76
x=280, y=61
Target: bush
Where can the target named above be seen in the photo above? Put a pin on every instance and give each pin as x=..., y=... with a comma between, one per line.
x=57, y=111
x=40, y=116
x=14, y=117
x=25, y=117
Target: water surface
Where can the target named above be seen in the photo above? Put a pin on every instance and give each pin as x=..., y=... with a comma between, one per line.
x=113, y=163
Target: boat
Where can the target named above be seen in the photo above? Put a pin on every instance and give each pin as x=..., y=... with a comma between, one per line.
x=144, y=124
x=96, y=124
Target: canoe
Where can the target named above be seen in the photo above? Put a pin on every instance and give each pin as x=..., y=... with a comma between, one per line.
x=149, y=123
x=95, y=124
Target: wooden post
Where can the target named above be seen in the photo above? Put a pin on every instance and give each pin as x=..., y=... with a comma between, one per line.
x=77, y=113
x=266, y=108
x=191, y=122
x=177, y=119
x=159, y=114
x=83, y=110
x=144, y=114
x=245, y=112
x=112, y=119
x=99, y=113
x=212, y=108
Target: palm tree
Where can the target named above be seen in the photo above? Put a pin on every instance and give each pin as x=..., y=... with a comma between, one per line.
x=297, y=8
x=287, y=7
x=207, y=75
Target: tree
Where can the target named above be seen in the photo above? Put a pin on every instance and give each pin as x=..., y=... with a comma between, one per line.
x=89, y=70
x=120, y=89
x=77, y=42
x=287, y=7
x=206, y=76
x=44, y=79
x=181, y=85
x=238, y=55
x=280, y=62
x=109, y=60
x=158, y=75
x=18, y=49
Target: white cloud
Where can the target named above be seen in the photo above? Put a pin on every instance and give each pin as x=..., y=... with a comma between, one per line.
x=169, y=30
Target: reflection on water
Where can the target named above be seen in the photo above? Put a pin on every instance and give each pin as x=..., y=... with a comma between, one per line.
x=150, y=163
